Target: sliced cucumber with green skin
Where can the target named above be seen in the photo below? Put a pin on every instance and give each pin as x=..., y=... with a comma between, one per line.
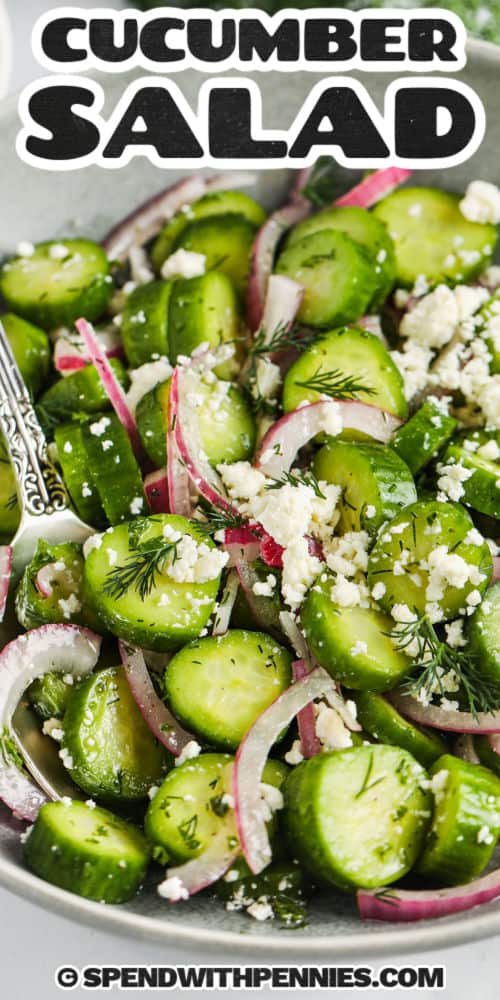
x=107, y=746
x=466, y=821
x=282, y=884
x=399, y=560
x=433, y=238
x=484, y=635
x=218, y=686
x=379, y=718
x=347, y=352
x=358, y=817
x=481, y=490
x=65, y=602
x=193, y=805
x=487, y=755
x=73, y=459
x=30, y=347
x=10, y=514
x=351, y=643
x=51, y=289
x=49, y=695
x=363, y=227
x=375, y=483
x=490, y=312
x=88, y=851
x=113, y=469
x=144, y=328
x=227, y=426
x=172, y=613
x=215, y=203
x=337, y=276
x=225, y=241
x=424, y=435
x=79, y=394
x=203, y=310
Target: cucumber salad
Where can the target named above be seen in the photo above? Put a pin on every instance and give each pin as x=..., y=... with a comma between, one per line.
x=273, y=669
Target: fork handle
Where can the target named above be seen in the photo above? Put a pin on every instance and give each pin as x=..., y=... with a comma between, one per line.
x=40, y=488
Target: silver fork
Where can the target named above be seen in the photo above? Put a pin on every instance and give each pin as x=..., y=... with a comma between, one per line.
x=44, y=504
x=44, y=514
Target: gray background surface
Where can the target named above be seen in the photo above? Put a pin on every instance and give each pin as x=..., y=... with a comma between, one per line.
x=34, y=942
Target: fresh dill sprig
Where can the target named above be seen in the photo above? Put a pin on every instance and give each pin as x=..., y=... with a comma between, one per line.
x=11, y=503
x=282, y=338
x=297, y=479
x=434, y=659
x=141, y=568
x=218, y=519
x=366, y=784
x=335, y=383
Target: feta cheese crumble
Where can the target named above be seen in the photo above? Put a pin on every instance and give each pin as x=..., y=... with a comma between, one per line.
x=481, y=202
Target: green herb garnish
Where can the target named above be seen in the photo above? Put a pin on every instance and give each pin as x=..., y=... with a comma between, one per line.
x=140, y=569
x=297, y=479
x=335, y=383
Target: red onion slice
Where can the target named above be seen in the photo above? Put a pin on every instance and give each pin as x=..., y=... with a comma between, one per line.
x=155, y=713
x=178, y=482
x=66, y=649
x=271, y=552
x=496, y=569
x=111, y=386
x=374, y=187
x=405, y=905
x=146, y=221
x=251, y=758
x=282, y=304
x=70, y=356
x=439, y=718
x=242, y=544
x=464, y=748
x=156, y=490
x=289, y=434
x=5, y=574
x=185, y=425
x=226, y=604
x=208, y=868
x=263, y=253
x=306, y=719
x=494, y=741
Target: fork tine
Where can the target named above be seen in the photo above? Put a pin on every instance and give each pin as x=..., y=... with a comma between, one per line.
x=9, y=370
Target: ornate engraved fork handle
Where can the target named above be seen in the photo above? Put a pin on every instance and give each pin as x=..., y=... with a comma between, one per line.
x=41, y=490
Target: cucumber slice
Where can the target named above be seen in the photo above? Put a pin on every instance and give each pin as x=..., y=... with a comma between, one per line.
x=51, y=290
x=169, y=614
x=358, y=817
x=482, y=490
x=49, y=695
x=487, y=755
x=193, y=805
x=30, y=347
x=65, y=603
x=375, y=483
x=78, y=395
x=336, y=273
x=225, y=241
x=219, y=686
x=347, y=352
x=433, y=238
x=216, y=203
x=484, y=635
x=72, y=457
x=466, y=821
x=144, y=327
x=113, y=754
x=379, y=718
x=363, y=227
x=351, y=643
x=489, y=314
x=429, y=529
x=88, y=851
x=227, y=426
x=419, y=440
x=10, y=514
x=203, y=310
x=113, y=469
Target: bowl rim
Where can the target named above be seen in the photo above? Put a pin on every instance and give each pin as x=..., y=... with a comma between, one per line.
x=444, y=932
